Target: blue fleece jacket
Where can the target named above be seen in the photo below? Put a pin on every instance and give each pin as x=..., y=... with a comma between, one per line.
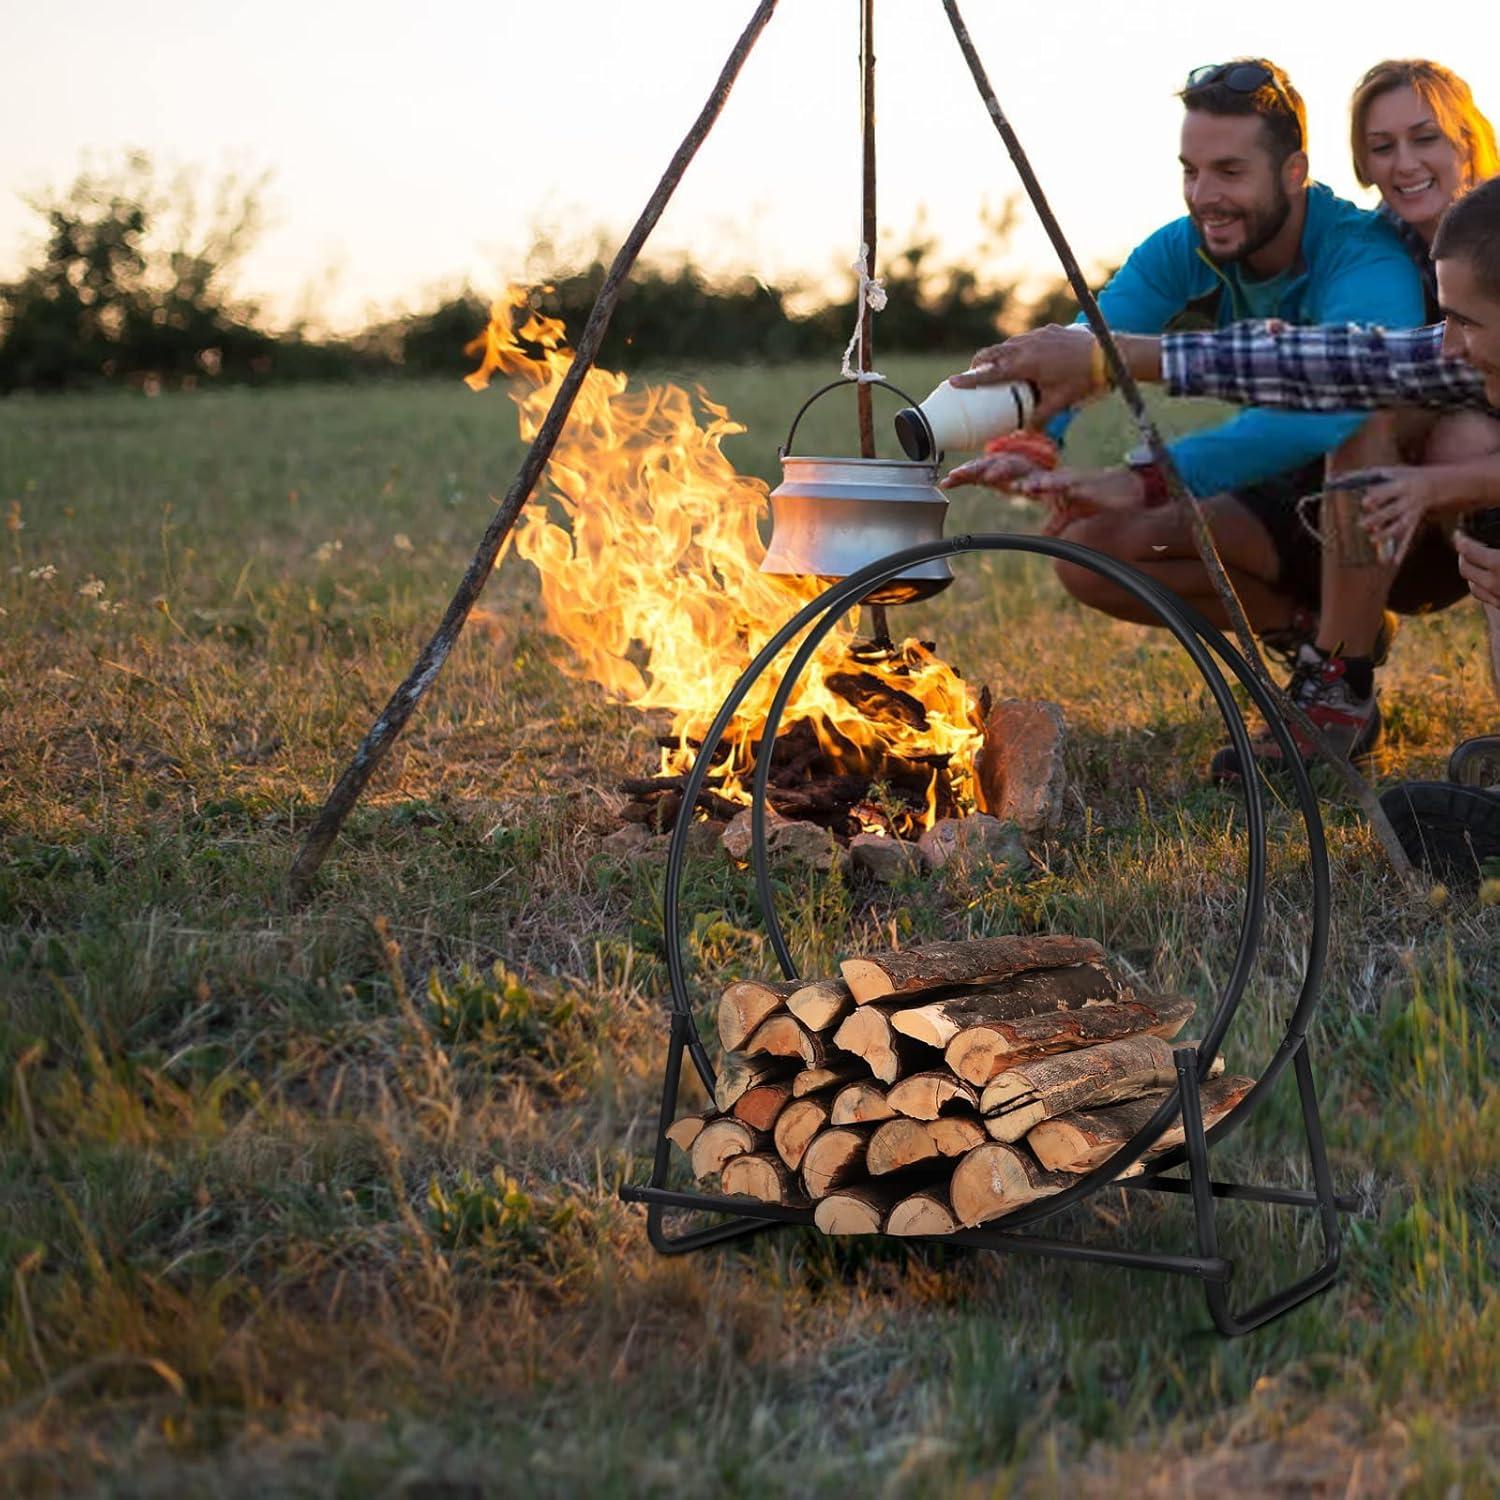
x=1352, y=269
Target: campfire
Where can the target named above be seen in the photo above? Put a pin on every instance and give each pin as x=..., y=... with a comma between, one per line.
x=654, y=585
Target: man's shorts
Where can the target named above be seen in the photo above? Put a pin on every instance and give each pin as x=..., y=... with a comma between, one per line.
x=1428, y=579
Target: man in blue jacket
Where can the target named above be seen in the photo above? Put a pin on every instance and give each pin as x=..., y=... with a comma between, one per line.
x=1259, y=241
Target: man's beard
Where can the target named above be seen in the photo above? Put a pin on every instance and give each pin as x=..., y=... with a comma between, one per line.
x=1262, y=224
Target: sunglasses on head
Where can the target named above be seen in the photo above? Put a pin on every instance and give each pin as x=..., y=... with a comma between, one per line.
x=1240, y=77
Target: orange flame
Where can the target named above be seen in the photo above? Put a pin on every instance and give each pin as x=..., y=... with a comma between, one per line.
x=655, y=584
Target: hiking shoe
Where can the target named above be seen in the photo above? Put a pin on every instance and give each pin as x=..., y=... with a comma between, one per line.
x=1318, y=688
x=1451, y=831
x=1284, y=644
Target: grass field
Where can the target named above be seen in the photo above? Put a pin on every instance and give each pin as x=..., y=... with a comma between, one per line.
x=324, y=1200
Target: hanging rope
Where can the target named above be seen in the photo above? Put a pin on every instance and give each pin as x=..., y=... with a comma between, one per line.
x=872, y=295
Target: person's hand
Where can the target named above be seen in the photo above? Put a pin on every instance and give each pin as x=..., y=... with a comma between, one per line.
x=1480, y=567
x=1062, y=363
x=997, y=471
x=1074, y=493
x=1394, y=507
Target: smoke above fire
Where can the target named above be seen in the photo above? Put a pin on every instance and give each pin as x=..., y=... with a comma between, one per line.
x=652, y=578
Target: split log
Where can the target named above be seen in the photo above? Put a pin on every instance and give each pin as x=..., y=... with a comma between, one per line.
x=738, y=1074
x=745, y=1004
x=783, y=1035
x=683, y=1132
x=1078, y=1142
x=859, y=1103
x=981, y=961
x=922, y=1213
x=759, y=1107
x=938, y=1021
x=796, y=1125
x=760, y=1175
x=836, y=1071
x=834, y=1157
x=903, y=1143
x=1031, y=1092
x=860, y=1208
x=925, y=1096
x=993, y=1179
x=982, y=1052
x=718, y=1141
x=868, y=1033
x=821, y=1005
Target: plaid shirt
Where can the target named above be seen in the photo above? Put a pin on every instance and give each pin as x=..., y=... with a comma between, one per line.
x=1320, y=369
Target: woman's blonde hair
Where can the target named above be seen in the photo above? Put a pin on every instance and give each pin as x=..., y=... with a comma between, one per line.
x=1453, y=108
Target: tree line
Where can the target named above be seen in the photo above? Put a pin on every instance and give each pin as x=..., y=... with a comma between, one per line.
x=132, y=284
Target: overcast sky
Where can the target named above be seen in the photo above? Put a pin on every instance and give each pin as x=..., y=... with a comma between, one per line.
x=414, y=147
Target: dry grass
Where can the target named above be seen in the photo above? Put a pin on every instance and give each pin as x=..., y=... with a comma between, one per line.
x=325, y=1200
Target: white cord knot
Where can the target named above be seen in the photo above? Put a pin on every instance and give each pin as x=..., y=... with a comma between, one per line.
x=871, y=294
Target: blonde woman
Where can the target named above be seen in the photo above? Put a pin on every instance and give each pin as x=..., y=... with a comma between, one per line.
x=1418, y=137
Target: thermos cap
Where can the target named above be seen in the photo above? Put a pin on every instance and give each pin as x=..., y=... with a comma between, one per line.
x=914, y=435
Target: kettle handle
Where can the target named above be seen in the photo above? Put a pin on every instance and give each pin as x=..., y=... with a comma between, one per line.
x=833, y=385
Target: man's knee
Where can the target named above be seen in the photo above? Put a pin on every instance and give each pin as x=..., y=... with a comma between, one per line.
x=1461, y=436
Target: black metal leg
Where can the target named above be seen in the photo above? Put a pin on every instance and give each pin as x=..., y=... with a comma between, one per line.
x=1225, y=1319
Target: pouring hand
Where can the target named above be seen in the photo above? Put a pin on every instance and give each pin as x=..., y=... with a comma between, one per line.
x=1063, y=364
x=997, y=471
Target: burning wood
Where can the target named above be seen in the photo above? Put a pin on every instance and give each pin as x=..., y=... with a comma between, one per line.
x=886, y=1133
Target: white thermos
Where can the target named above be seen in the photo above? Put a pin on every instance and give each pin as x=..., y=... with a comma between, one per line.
x=963, y=421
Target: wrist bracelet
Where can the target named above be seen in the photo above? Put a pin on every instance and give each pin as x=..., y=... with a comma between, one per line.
x=1098, y=376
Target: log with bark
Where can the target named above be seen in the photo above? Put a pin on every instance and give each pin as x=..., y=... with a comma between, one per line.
x=1031, y=1092
x=796, y=1125
x=922, y=1213
x=746, y=1003
x=925, y=1096
x=1078, y=1142
x=684, y=1131
x=718, y=1141
x=938, y=1020
x=860, y=1103
x=836, y=1071
x=762, y=1175
x=869, y=1034
x=738, y=1074
x=822, y=1004
x=758, y=1107
x=995, y=1179
x=860, y=1208
x=783, y=1035
x=980, y=961
x=981, y=1052
x=902, y=1143
x=835, y=1157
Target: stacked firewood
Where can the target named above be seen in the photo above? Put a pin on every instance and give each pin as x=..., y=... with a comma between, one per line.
x=936, y=1088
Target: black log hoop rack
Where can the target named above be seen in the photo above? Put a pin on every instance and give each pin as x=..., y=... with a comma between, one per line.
x=1202, y=642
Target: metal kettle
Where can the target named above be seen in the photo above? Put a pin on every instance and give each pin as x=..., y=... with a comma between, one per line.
x=832, y=516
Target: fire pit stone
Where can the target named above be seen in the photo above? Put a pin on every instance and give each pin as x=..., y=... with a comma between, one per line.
x=1021, y=772
x=978, y=838
x=786, y=838
x=882, y=859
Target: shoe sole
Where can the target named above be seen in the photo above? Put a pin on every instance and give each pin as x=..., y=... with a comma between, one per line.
x=1475, y=760
x=1224, y=768
x=1448, y=829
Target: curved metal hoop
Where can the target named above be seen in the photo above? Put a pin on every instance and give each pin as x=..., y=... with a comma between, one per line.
x=1196, y=636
